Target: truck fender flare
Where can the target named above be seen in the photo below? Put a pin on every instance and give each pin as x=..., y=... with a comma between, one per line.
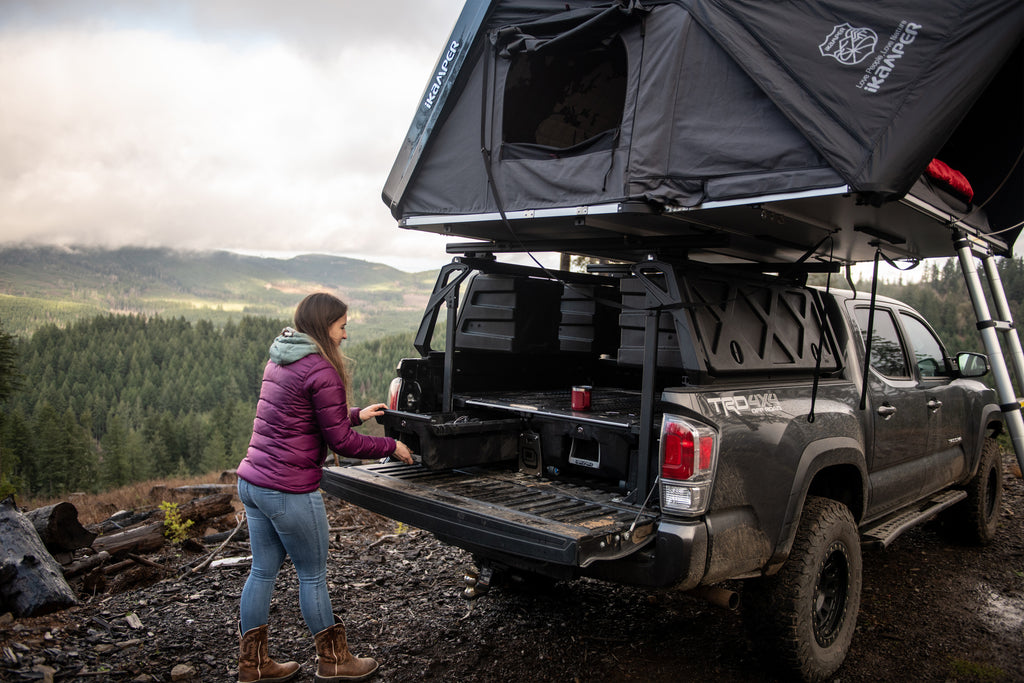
x=990, y=414
x=819, y=455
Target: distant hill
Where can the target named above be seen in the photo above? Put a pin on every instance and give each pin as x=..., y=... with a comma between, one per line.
x=40, y=285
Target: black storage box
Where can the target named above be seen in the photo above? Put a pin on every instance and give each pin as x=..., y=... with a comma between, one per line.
x=588, y=325
x=452, y=440
x=632, y=324
x=509, y=313
x=756, y=326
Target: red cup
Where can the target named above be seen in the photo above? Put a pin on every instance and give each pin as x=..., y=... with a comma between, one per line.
x=581, y=398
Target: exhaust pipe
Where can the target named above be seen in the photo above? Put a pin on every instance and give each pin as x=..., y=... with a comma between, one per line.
x=718, y=596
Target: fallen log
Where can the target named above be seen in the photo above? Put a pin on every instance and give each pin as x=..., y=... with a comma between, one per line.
x=230, y=561
x=205, y=489
x=86, y=563
x=207, y=507
x=145, y=561
x=192, y=490
x=219, y=537
x=149, y=537
x=124, y=519
x=117, y=567
x=33, y=582
x=141, y=539
x=59, y=529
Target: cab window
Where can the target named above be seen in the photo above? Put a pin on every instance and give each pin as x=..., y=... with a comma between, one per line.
x=887, y=354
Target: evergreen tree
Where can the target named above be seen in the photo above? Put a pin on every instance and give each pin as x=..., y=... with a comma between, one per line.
x=16, y=448
x=139, y=464
x=214, y=456
x=10, y=375
x=48, y=469
x=114, y=456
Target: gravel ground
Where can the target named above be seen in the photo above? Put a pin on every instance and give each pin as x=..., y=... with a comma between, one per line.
x=931, y=611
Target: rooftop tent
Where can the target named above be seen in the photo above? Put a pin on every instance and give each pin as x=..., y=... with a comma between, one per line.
x=725, y=129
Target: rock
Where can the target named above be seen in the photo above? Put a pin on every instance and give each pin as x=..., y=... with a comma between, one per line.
x=47, y=672
x=183, y=672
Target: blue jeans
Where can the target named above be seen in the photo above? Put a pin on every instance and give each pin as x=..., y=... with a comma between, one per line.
x=280, y=524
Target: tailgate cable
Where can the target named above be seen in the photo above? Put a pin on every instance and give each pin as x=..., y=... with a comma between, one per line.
x=644, y=506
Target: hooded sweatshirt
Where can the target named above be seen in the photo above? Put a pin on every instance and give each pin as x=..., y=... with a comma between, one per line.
x=302, y=412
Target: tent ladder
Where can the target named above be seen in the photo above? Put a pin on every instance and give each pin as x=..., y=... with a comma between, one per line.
x=968, y=250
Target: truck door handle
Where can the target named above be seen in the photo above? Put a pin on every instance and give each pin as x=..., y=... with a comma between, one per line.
x=934, y=405
x=886, y=411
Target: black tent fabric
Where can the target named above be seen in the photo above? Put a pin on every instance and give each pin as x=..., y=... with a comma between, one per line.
x=888, y=82
x=675, y=111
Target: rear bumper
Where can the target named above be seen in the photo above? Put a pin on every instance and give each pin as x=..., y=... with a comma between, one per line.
x=677, y=559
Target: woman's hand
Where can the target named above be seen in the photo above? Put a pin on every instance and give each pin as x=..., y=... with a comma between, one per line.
x=403, y=453
x=372, y=411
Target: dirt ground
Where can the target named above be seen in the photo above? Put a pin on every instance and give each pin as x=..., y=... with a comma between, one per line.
x=931, y=611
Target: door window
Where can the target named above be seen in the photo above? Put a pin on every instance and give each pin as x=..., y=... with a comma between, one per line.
x=929, y=356
x=887, y=354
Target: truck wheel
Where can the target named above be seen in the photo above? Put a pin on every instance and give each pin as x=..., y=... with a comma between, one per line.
x=974, y=520
x=805, y=615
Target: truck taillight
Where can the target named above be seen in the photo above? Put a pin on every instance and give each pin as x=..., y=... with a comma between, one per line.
x=689, y=454
x=394, y=389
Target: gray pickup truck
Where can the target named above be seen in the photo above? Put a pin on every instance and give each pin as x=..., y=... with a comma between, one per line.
x=689, y=413
x=684, y=425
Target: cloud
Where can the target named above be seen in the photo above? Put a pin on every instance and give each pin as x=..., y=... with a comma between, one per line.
x=217, y=125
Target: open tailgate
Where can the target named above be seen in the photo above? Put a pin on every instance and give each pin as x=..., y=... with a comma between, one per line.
x=500, y=511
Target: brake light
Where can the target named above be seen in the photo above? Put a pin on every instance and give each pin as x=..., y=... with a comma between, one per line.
x=394, y=391
x=689, y=455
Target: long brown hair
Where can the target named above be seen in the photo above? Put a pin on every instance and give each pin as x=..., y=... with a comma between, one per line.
x=313, y=317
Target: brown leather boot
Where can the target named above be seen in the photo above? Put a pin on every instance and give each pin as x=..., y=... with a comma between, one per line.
x=333, y=660
x=255, y=664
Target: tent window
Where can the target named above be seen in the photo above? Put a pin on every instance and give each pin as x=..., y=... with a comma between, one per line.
x=559, y=99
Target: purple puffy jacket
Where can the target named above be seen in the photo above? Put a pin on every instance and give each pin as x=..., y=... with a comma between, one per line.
x=301, y=413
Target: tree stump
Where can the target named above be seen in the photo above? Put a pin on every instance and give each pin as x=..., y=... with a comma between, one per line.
x=31, y=581
x=59, y=529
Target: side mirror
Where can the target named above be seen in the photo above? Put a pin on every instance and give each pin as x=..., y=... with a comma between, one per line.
x=972, y=364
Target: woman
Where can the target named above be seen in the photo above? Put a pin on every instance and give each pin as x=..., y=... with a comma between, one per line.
x=302, y=412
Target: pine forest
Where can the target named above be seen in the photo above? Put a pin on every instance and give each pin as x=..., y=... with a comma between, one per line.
x=117, y=399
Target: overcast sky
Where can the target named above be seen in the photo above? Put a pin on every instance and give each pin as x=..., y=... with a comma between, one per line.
x=225, y=124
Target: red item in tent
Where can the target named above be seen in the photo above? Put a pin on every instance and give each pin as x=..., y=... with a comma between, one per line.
x=952, y=179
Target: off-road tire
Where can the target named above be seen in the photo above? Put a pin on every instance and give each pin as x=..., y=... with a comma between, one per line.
x=804, y=616
x=973, y=521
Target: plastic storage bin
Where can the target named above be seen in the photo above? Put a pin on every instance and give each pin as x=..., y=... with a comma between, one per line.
x=447, y=441
x=511, y=314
